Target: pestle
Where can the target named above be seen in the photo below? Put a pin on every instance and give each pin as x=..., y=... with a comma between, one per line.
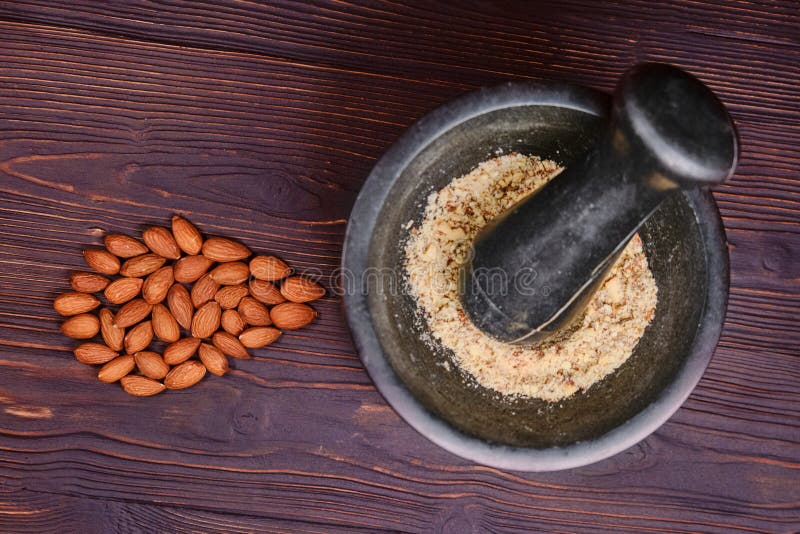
x=535, y=267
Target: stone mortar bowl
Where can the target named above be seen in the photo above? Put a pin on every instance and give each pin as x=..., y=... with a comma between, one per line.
x=684, y=243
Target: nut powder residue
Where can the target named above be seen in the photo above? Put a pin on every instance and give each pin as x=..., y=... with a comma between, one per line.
x=610, y=329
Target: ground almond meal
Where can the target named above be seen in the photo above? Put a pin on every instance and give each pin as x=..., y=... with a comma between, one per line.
x=612, y=326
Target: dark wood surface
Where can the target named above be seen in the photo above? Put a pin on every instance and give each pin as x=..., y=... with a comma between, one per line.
x=261, y=121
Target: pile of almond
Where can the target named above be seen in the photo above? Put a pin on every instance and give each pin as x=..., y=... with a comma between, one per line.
x=197, y=296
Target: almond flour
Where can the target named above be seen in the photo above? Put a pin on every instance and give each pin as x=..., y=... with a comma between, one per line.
x=606, y=336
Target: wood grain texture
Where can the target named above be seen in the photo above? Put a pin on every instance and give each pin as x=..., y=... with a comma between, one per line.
x=260, y=122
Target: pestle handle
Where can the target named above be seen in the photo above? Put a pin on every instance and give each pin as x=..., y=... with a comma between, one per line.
x=536, y=266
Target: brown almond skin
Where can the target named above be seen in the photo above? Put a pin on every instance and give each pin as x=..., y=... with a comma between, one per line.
x=231, y=273
x=156, y=286
x=116, y=369
x=180, y=305
x=206, y=320
x=186, y=235
x=190, y=268
x=164, y=324
x=82, y=326
x=265, y=292
x=162, y=242
x=142, y=265
x=299, y=289
x=185, y=375
x=215, y=361
x=101, y=261
x=74, y=303
x=181, y=350
x=204, y=290
x=122, y=290
x=223, y=250
x=230, y=345
x=124, y=246
x=86, y=282
x=151, y=364
x=259, y=336
x=232, y=322
x=132, y=312
x=113, y=335
x=269, y=268
x=292, y=315
x=94, y=353
x=141, y=386
x=139, y=337
x=229, y=296
x=253, y=312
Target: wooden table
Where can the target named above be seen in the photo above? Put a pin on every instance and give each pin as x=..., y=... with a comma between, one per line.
x=261, y=122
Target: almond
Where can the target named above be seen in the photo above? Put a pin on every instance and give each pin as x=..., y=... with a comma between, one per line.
x=206, y=320
x=132, y=312
x=88, y=282
x=232, y=322
x=269, y=268
x=81, y=326
x=253, y=312
x=141, y=386
x=231, y=273
x=123, y=289
x=229, y=296
x=265, y=292
x=214, y=360
x=259, y=336
x=299, y=289
x=292, y=315
x=161, y=241
x=139, y=337
x=101, y=261
x=113, y=335
x=186, y=235
x=230, y=345
x=116, y=369
x=124, y=246
x=142, y=265
x=180, y=305
x=94, y=353
x=204, y=290
x=190, y=268
x=223, y=250
x=151, y=364
x=181, y=350
x=157, y=285
x=74, y=303
x=164, y=324
x=185, y=375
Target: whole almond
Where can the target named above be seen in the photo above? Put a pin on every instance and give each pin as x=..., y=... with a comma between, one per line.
x=113, y=335
x=124, y=246
x=299, y=289
x=232, y=322
x=94, y=353
x=292, y=315
x=74, y=303
x=229, y=296
x=180, y=305
x=230, y=345
x=181, y=350
x=141, y=386
x=213, y=358
x=259, y=336
x=164, y=324
x=253, y=312
x=81, y=326
x=186, y=235
x=204, y=290
x=142, y=265
x=139, y=337
x=151, y=364
x=116, y=369
x=231, y=273
x=190, y=268
x=161, y=241
x=269, y=268
x=222, y=250
x=265, y=292
x=132, y=312
x=86, y=282
x=101, y=261
x=122, y=290
x=206, y=319
x=185, y=375
x=157, y=285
